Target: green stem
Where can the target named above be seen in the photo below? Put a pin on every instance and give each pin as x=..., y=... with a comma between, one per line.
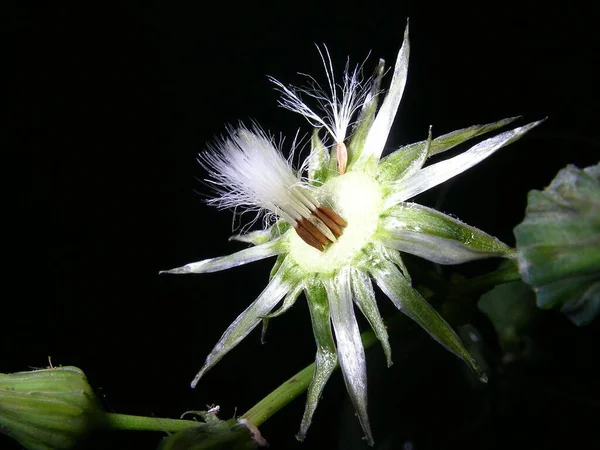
x=488, y=280
x=280, y=397
x=113, y=421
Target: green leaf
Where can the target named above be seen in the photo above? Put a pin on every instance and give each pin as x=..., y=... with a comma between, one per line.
x=511, y=309
x=558, y=244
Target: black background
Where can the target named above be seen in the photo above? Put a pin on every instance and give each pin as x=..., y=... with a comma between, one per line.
x=110, y=104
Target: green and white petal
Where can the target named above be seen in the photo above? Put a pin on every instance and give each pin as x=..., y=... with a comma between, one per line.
x=407, y=160
x=318, y=160
x=282, y=283
x=326, y=359
x=409, y=301
x=437, y=173
x=437, y=237
x=378, y=134
x=242, y=257
x=350, y=350
x=364, y=297
x=366, y=117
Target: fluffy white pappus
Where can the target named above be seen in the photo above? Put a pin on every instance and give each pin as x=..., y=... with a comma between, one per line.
x=338, y=102
x=249, y=173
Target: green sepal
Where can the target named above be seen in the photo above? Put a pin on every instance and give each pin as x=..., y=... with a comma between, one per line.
x=278, y=262
x=558, y=244
x=395, y=165
x=318, y=161
x=326, y=359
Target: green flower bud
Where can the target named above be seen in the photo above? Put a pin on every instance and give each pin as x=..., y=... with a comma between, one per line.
x=47, y=409
x=558, y=244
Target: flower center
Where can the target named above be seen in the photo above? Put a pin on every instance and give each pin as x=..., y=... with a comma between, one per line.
x=357, y=198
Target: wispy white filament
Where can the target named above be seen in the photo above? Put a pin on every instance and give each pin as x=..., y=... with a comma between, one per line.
x=248, y=172
x=339, y=102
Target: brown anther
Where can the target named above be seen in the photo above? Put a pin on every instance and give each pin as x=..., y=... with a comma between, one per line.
x=333, y=216
x=328, y=222
x=308, y=238
x=311, y=234
x=314, y=231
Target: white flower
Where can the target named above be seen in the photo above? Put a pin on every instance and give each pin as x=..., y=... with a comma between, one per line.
x=344, y=226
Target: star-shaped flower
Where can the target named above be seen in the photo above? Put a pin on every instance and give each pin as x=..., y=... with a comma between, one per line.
x=344, y=224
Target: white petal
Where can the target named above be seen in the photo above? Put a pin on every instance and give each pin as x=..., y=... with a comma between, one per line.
x=434, y=248
x=248, y=319
x=409, y=301
x=326, y=358
x=350, y=350
x=382, y=124
x=245, y=256
x=438, y=173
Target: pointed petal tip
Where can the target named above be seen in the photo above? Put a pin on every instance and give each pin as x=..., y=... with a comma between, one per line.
x=481, y=374
x=198, y=376
x=176, y=271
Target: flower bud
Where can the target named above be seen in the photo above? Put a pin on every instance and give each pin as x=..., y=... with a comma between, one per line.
x=47, y=409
